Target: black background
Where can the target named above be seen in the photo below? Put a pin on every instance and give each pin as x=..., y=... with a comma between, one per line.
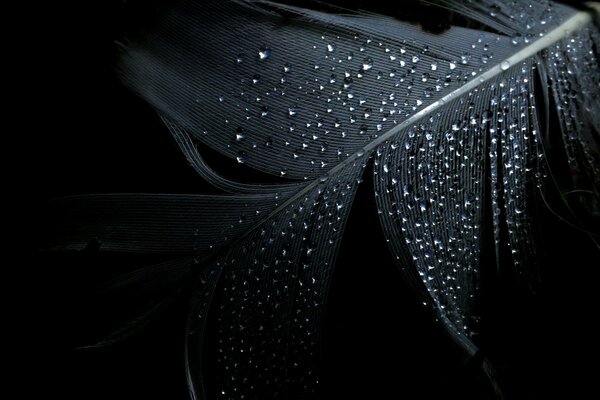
x=95, y=137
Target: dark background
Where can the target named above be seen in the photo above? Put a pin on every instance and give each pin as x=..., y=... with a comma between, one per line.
x=95, y=137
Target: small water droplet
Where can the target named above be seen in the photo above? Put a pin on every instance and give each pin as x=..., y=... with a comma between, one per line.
x=239, y=59
x=292, y=111
x=264, y=53
x=415, y=59
x=504, y=65
x=240, y=134
x=434, y=66
x=287, y=68
x=452, y=65
x=367, y=63
x=347, y=82
x=330, y=48
x=241, y=157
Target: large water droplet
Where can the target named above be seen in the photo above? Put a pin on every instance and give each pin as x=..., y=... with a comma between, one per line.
x=504, y=65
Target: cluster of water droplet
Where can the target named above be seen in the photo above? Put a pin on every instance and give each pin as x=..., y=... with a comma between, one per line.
x=342, y=93
x=271, y=295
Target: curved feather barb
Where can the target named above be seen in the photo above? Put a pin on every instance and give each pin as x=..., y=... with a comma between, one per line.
x=457, y=127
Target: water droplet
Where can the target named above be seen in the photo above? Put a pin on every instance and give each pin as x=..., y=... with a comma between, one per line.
x=240, y=134
x=287, y=68
x=264, y=111
x=516, y=40
x=330, y=48
x=504, y=65
x=367, y=63
x=347, y=82
x=292, y=111
x=239, y=59
x=452, y=65
x=434, y=66
x=264, y=53
x=415, y=59
x=241, y=157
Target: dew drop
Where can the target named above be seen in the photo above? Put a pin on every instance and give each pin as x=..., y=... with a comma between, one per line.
x=464, y=58
x=264, y=53
x=504, y=65
x=240, y=134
